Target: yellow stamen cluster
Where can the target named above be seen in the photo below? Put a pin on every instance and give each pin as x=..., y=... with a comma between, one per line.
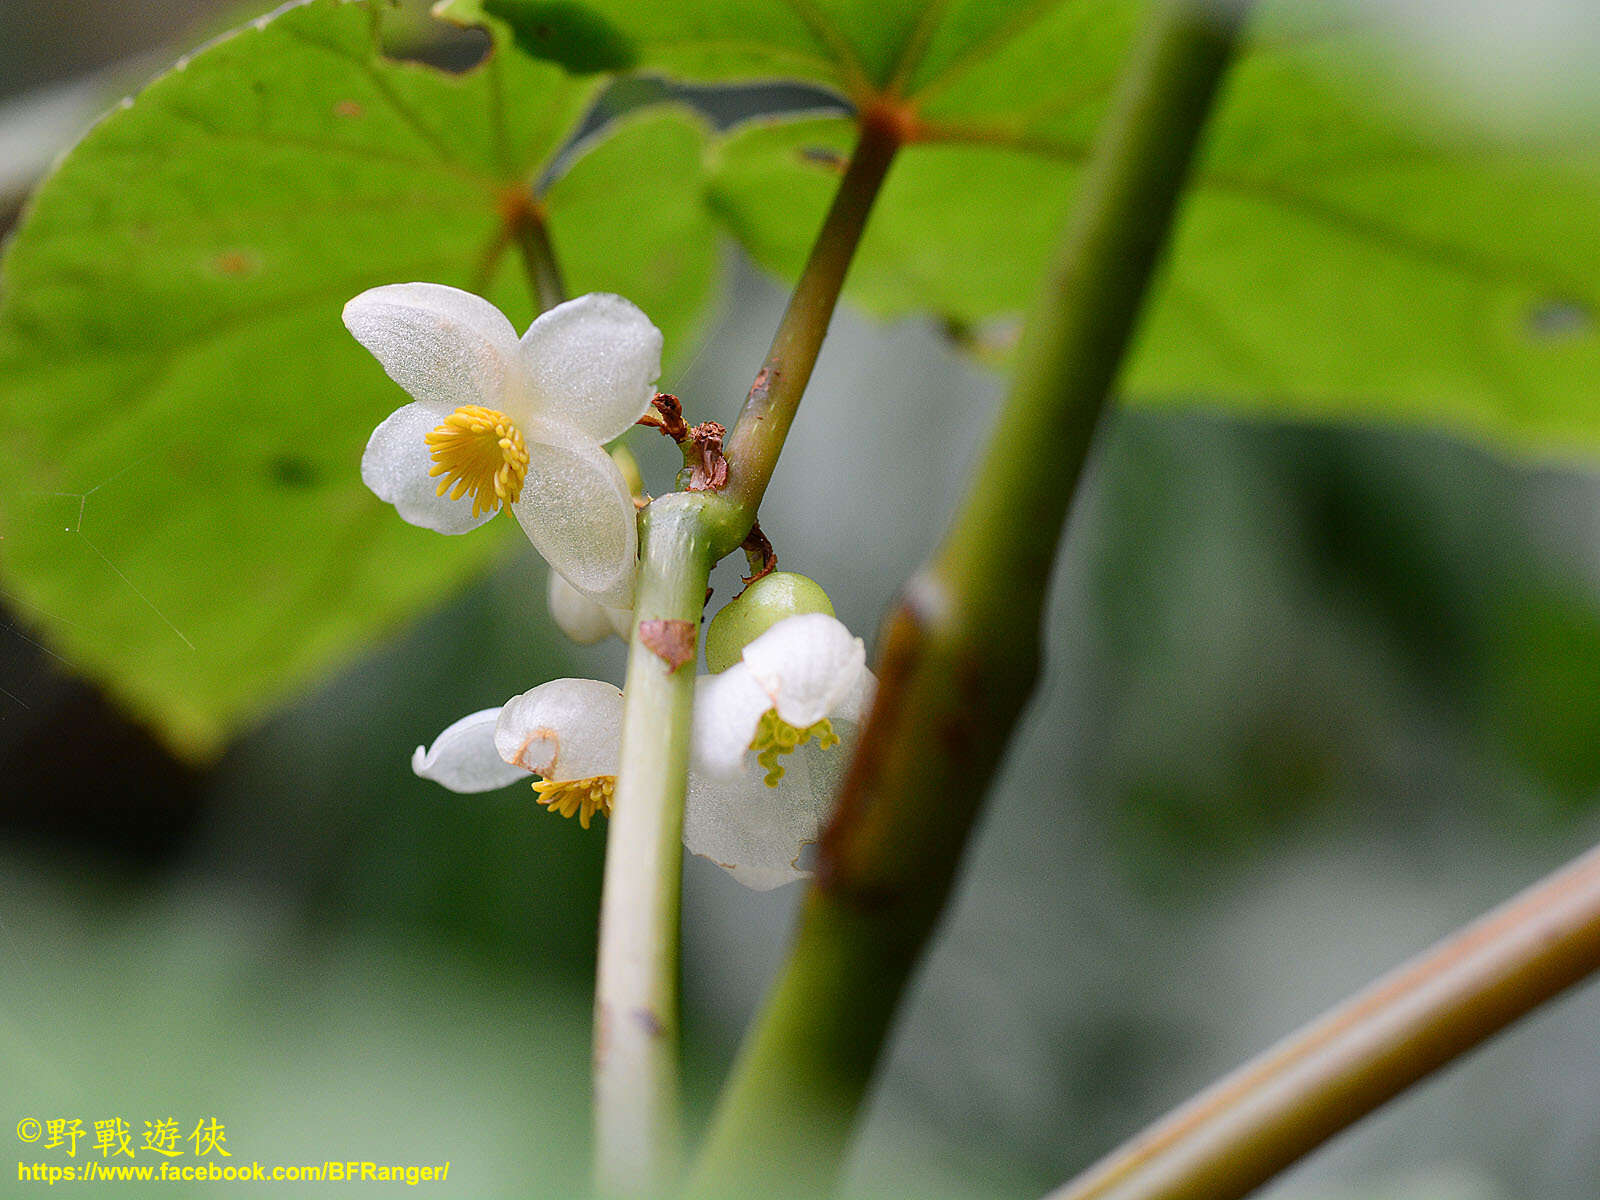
x=585, y=797
x=775, y=737
x=479, y=450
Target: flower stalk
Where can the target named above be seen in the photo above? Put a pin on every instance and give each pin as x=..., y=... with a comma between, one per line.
x=531, y=233
x=960, y=652
x=753, y=447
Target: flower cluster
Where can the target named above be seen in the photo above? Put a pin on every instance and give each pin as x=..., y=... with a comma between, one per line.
x=772, y=736
x=499, y=421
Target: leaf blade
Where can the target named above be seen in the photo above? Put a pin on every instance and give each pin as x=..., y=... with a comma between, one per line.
x=184, y=519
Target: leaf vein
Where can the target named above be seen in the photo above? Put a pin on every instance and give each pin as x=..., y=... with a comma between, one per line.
x=384, y=89
x=999, y=39
x=352, y=150
x=848, y=66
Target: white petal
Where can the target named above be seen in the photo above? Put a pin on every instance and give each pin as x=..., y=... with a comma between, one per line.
x=577, y=616
x=463, y=757
x=857, y=703
x=827, y=768
x=727, y=709
x=808, y=665
x=564, y=729
x=577, y=512
x=753, y=831
x=593, y=363
x=395, y=466
x=441, y=344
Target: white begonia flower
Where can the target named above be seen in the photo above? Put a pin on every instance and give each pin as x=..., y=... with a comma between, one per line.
x=801, y=684
x=582, y=619
x=772, y=737
x=499, y=420
x=568, y=731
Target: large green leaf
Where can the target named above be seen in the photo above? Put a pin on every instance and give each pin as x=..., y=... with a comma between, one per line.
x=183, y=412
x=958, y=57
x=1402, y=284
x=1353, y=247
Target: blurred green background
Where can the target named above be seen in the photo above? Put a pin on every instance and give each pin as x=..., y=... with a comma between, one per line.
x=1313, y=698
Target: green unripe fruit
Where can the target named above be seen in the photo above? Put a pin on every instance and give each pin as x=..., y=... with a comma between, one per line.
x=761, y=606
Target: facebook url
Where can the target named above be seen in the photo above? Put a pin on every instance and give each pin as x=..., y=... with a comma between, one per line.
x=94, y=1171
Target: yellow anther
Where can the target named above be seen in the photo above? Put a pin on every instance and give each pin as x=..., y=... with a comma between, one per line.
x=479, y=450
x=775, y=737
x=585, y=797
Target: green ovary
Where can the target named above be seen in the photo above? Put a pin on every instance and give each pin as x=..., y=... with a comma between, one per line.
x=775, y=737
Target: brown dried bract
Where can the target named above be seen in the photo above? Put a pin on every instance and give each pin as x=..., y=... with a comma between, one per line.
x=670, y=641
x=758, y=551
x=708, y=470
x=668, y=417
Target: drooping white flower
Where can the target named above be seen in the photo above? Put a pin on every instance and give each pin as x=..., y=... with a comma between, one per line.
x=755, y=827
x=499, y=420
x=802, y=683
x=568, y=731
x=772, y=736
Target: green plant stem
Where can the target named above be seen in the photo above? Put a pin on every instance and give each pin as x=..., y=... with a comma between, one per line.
x=637, y=1102
x=1271, y=1112
x=960, y=651
x=532, y=236
x=753, y=446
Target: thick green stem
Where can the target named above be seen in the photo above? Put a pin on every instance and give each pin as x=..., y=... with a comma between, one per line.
x=1271, y=1112
x=959, y=653
x=753, y=446
x=637, y=1102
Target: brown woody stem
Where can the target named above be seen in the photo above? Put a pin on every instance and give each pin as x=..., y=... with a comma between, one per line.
x=1271, y=1112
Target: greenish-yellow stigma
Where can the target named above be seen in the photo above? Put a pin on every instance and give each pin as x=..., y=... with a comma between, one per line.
x=775, y=737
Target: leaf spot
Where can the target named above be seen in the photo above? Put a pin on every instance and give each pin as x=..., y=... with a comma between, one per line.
x=236, y=263
x=1553, y=320
x=559, y=31
x=292, y=471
